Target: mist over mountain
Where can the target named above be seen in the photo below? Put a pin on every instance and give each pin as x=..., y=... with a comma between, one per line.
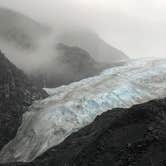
x=19, y=30
x=21, y=39
x=90, y=41
x=33, y=47
x=71, y=64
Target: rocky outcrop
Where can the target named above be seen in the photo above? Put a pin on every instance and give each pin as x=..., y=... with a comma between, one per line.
x=16, y=94
x=119, y=137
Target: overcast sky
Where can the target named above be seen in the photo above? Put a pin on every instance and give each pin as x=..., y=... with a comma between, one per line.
x=138, y=27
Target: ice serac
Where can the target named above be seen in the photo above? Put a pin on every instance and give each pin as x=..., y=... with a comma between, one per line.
x=71, y=107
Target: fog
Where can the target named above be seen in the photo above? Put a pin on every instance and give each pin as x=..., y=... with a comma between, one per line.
x=137, y=27
x=34, y=60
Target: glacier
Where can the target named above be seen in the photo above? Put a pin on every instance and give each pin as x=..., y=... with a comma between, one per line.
x=68, y=108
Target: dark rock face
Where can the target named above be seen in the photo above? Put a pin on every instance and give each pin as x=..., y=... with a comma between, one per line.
x=16, y=93
x=120, y=137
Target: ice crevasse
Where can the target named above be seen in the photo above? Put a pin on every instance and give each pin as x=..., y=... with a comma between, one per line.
x=69, y=108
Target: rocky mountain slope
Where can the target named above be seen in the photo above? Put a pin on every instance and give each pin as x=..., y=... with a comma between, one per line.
x=94, y=44
x=69, y=108
x=16, y=93
x=120, y=137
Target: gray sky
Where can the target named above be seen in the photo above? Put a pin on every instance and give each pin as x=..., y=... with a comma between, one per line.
x=138, y=27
